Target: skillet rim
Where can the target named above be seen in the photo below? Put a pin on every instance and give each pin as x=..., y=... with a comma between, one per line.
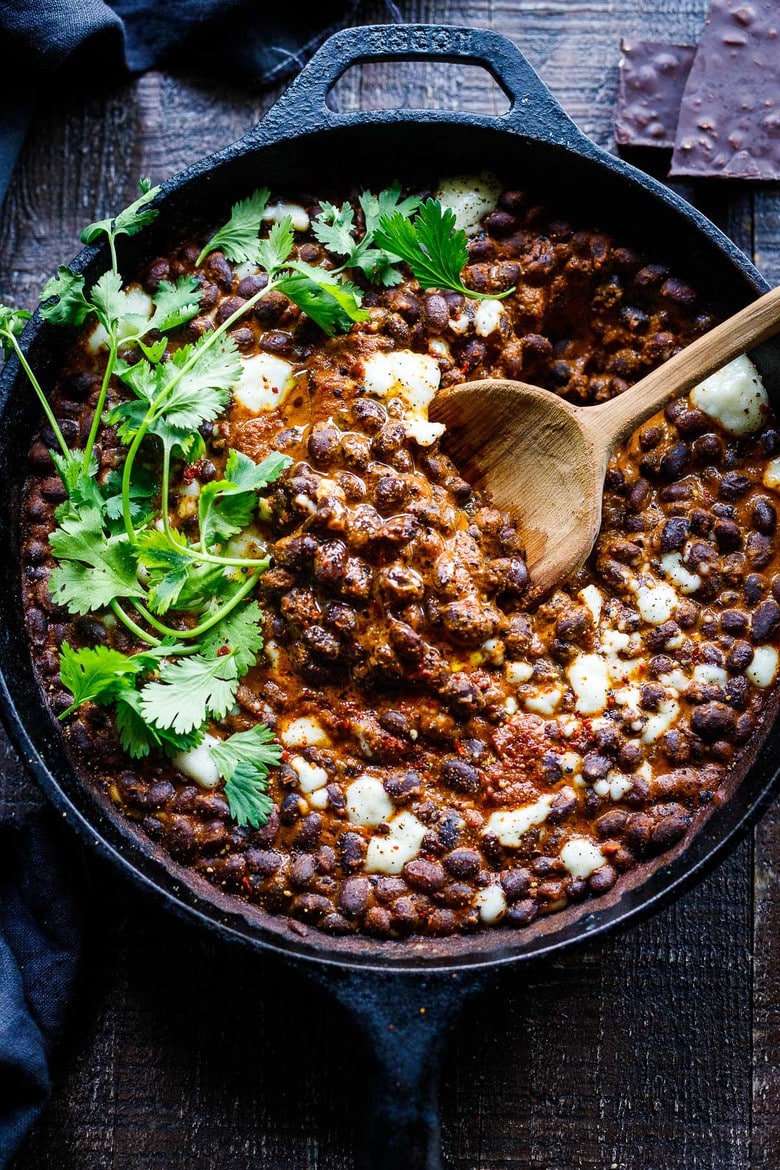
x=683, y=869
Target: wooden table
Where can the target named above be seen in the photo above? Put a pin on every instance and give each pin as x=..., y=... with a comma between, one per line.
x=651, y=1051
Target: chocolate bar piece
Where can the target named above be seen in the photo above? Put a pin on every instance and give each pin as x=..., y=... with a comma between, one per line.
x=651, y=79
x=729, y=121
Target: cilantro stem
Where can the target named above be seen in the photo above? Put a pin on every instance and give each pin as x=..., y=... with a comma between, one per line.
x=159, y=401
x=134, y=628
x=93, y=430
x=215, y=618
x=38, y=390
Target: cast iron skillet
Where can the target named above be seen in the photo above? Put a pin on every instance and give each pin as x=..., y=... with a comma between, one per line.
x=402, y=994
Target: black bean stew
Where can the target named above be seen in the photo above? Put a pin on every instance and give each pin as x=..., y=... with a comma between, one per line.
x=452, y=758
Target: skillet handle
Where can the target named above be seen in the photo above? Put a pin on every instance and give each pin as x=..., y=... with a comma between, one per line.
x=302, y=108
x=405, y=1019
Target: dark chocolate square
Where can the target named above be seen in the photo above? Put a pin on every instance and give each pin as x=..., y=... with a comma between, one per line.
x=729, y=121
x=651, y=79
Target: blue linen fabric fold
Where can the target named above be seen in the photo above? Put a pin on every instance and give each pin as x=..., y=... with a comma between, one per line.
x=89, y=43
x=41, y=900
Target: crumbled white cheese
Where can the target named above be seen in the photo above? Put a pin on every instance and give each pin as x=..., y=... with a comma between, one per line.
x=390, y=854
x=424, y=433
x=590, y=683
x=676, y=680
x=510, y=705
x=491, y=903
x=517, y=672
x=191, y=489
x=264, y=382
x=763, y=668
x=656, y=603
x=734, y=396
x=439, y=348
x=460, y=324
x=198, y=763
x=661, y=721
x=487, y=317
x=544, y=701
x=618, y=783
x=772, y=475
x=310, y=776
x=570, y=762
x=470, y=197
x=304, y=732
x=684, y=579
x=707, y=672
x=601, y=788
x=413, y=377
x=593, y=598
x=367, y=802
x=510, y=824
x=276, y=212
x=582, y=857
x=318, y=798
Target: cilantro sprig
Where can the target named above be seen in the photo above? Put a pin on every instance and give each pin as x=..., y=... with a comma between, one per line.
x=118, y=548
x=431, y=245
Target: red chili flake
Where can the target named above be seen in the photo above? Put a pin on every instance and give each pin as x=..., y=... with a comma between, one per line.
x=192, y=471
x=223, y=650
x=245, y=882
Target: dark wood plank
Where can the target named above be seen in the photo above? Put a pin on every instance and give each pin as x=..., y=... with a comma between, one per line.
x=633, y=1054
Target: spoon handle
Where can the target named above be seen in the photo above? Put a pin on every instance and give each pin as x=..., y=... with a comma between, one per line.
x=614, y=421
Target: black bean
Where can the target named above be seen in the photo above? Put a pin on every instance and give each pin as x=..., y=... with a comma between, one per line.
x=675, y=461
x=759, y=549
x=354, y=895
x=595, y=767
x=728, y=535
x=352, y=849
x=462, y=863
x=403, y=787
x=612, y=823
x=460, y=775
x=668, y=832
x=765, y=620
x=754, y=589
x=436, y=313
x=713, y=720
x=324, y=442
x=603, y=879
x=733, y=485
x=734, y=621
x=674, y=533
x=691, y=422
x=427, y=876
x=764, y=515
x=523, y=913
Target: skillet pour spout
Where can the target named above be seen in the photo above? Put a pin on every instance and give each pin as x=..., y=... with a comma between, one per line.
x=403, y=992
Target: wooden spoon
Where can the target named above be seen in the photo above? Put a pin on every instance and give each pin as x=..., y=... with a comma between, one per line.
x=543, y=460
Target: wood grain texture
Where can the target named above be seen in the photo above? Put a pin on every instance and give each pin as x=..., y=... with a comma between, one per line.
x=652, y=1050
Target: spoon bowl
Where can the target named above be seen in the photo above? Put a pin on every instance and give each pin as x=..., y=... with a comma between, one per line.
x=543, y=460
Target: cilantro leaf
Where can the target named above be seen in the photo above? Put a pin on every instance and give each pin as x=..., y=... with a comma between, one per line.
x=109, y=301
x=143, y=489
x=273, y=251
x=71, y=306
x=94, y=570
x=95, y=673
x=189, y=691
x=430, y=245
x=247, y=795
x=128, y=222
x=12, y=324
x=332, y=304
x=240, y=632
x=175, y=304
x=83, y=490
x=226, y=506
x=243, y=761
x=175, y=577
x=138, y=737
x=334, y=228
x=202, y=390
x=238, y=238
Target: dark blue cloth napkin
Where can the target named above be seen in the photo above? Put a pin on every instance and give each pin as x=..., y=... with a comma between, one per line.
x=90, y=41
x=40, y=941
x=86, y=43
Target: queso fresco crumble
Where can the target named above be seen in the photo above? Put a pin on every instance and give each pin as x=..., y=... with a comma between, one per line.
x=451, y=759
